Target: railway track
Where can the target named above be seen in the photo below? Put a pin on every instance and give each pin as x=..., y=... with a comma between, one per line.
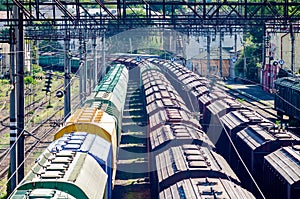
x=132, y=176
x=31, y=141
x=4, y=164
x=28, y=109
x=264, y=108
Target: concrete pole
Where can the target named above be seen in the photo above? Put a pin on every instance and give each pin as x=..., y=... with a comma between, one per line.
x=80, y=69
x=245, y=61
x=130, y=45
x=99, y=52
x=293, y=48
x=263, y=57
x=232, y=71
x=90, y=67
x=37, y=52
x=20, y=97
x=220, y=52
x=13, y=121
x=208, y=52
x=95, y=62
x=67, y=79
x=103, y=70
x=84, y=71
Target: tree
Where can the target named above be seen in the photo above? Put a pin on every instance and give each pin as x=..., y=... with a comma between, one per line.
x=252, y=51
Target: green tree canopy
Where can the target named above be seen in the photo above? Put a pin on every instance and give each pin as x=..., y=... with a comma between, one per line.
x=252, y=51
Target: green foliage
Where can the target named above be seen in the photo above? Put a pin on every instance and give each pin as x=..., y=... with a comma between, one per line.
x=4, y=81
x=136, y=12
x=253, y=54
x=28, y=80
x=36, y=69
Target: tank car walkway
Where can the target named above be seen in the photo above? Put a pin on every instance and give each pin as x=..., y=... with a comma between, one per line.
x=132, y=179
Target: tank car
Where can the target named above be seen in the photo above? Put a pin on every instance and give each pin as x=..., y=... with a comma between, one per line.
x=81, y=161
x=110, y=94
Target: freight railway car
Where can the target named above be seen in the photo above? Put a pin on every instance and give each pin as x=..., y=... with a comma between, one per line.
x=197, y=92
x=188, y=84
x=234, y=122
x=178, y=147
x=71, y=160
x=169, y=118
x=205, y=100
x=211, y=122
x=109, y=95
x=255, y=137
x=281, y=172
x=56, y=62
x=202, y=188
x=81, y=161
x=255, y=142
x=191, y=161
x=63, y=175
x=287, y=98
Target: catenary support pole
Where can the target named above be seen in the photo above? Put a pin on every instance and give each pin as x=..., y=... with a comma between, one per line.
x=293, y=49
x=20, y=97
x=220, y=52
x=95, y=62
x=208, y=53
x=103, y=67
x=67, y=79
x=80, y=69
x=84, y=70
x=13, y=121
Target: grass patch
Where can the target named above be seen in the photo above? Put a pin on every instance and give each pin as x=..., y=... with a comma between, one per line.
x=3, y=194
x=4, y=140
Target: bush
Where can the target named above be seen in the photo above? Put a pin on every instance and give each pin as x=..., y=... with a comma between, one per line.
x=36, y=68
x=4, y=81
x=28, y=80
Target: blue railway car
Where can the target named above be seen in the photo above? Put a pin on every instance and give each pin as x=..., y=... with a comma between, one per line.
x=100, y=149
